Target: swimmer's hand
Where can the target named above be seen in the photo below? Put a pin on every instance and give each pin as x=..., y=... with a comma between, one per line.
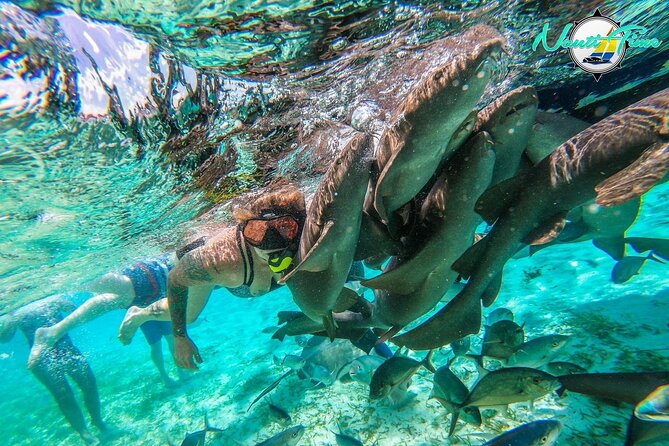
x=184, y=352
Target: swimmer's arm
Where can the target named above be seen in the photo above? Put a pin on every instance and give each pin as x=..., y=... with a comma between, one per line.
x=188, y=272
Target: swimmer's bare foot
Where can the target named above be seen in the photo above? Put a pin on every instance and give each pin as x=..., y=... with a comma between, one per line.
x=110, y=433
x=44, y=339
x=131, y=322
x=89, y=439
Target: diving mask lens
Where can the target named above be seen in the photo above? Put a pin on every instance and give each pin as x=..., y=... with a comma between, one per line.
x=271, y=233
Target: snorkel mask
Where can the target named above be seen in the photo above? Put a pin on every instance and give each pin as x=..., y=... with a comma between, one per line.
x=274, y=232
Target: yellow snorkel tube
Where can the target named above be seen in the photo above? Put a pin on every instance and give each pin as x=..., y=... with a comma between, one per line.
x=280, y=262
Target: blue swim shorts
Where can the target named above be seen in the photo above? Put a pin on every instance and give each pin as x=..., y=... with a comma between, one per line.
x=154, y=330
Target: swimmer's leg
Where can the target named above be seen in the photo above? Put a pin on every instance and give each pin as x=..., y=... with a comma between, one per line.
x=80, y=371
x=198, y=296
x=136, y=316
x=53, y=378
x=159, y=361
x=91, y=309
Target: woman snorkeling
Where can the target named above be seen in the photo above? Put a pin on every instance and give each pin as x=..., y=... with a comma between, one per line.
x=247, y=259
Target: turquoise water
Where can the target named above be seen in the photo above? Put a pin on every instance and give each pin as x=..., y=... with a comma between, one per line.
x=84, y=191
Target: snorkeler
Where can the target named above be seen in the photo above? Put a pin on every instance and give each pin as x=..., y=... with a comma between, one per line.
x=139, y=284
x=53, y=366
x=247, y=259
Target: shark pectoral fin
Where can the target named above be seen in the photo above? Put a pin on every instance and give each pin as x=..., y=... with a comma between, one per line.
x=548, y=230
x=457, y=319
x=637, y=178
x=347, y=298
x=613, y=246
x=466, y=264
x=400, y=280
x=493, y=202
x=492, y=290
x=330, y=326
x=318, y=258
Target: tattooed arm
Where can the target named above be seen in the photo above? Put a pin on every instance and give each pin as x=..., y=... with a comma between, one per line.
x=189, y=271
